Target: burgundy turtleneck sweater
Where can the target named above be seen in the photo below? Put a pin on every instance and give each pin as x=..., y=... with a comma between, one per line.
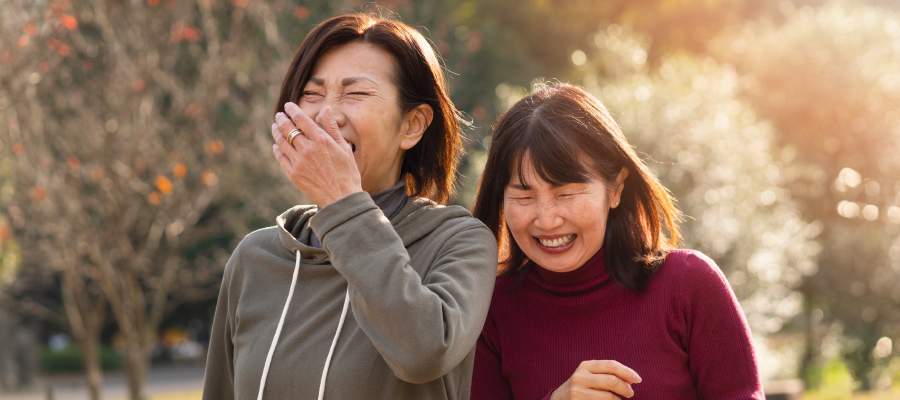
x=685, y=334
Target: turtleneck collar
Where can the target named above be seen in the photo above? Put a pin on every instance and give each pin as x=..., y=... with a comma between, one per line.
x=586, y=277
x=390, y=201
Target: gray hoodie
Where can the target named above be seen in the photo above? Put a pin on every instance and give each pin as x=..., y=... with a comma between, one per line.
x=419, y=287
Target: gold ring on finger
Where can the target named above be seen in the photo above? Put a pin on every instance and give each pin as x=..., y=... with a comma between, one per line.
x=294, y=134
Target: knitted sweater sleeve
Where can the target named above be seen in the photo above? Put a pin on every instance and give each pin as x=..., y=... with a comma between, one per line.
x=722, y=360
x=488, y=382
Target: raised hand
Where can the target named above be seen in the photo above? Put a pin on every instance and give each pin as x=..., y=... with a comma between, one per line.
x=318, y=160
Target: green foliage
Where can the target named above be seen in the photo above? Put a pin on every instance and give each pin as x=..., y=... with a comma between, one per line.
x=9, y=256
x=69, y=359
x=827, y=80
x=9, y=248
x=834, y=381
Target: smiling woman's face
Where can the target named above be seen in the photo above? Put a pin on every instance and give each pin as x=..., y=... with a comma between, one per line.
x=356, y=81
x=558, y=227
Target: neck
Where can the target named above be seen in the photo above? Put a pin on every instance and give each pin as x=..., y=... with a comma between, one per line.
x=593, y=271
x=391, y=178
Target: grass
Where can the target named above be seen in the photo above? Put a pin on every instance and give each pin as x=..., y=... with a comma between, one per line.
x=190, y=395
x=816, y=395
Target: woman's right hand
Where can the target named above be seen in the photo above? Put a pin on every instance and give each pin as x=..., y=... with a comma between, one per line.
x=598, y=379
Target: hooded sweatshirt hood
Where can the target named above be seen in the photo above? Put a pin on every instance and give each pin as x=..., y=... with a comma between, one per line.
x=417, y=218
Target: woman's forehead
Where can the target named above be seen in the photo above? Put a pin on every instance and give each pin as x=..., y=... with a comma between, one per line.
x=526, y=170
x=354, y=63
x=531, y=180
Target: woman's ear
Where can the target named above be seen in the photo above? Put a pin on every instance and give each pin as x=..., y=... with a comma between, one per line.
x=615, y=190
x=417, y=121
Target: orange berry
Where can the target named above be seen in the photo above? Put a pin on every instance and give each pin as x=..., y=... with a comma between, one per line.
x=38, y=192
x=180, y=170
x=209, y=178
x=74, y=162
x=69, y=21
x=164, y=184
x=154, y=198
x=138, y=85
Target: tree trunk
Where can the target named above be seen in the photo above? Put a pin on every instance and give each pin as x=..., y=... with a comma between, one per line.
x=86, y=315
x=811, y=375
x=136, y=362
x=8, y=377
x=93, y=369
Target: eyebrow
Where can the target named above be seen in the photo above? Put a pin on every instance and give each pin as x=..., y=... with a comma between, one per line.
x=353, y=79
x=523, y=186
x=344, y=82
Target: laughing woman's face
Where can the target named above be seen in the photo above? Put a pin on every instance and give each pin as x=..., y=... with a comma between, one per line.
x=559, y=227
x=356, y=81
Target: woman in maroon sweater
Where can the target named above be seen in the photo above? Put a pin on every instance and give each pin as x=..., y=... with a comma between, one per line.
x=593, y=301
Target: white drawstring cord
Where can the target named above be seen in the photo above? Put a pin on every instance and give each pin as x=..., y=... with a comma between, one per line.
x=262, y=382
x=333, y=344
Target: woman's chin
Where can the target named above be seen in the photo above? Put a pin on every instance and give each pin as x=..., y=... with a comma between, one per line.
x=560, y=259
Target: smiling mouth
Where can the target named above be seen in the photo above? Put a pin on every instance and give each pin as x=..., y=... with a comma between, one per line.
x=557, y=242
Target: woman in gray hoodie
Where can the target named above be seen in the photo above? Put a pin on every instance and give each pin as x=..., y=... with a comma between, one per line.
x=379, y=290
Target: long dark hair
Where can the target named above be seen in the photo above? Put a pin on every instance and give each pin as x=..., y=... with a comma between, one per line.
x=557, y=127
x=430, y=166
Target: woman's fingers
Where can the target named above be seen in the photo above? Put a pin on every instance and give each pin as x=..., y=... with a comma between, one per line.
x=320, y=172
x=583, y=385
x=581, y=393
x=283, y=160
x=612, y=368
x=598, y=379
x=281, y=129
x=280, y=140
x=586, y=382
x=333, y=130
x=301, y=121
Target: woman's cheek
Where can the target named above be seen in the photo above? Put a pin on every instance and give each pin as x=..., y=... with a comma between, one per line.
x=514, y=215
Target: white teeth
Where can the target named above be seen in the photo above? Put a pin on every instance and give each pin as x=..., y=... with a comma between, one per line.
x=558, y=242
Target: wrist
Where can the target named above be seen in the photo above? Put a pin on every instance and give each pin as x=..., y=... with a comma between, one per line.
x=339, y=212
x=334, y=197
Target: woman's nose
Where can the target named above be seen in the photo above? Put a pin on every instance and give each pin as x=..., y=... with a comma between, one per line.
x=547, y=218
x=336, y=113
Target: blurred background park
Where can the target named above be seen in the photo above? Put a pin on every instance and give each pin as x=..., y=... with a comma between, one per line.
x=135, y=154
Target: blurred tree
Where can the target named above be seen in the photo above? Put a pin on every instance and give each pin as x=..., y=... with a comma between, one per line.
x=138, y=136
x=9, y=265
x=828, y=80
x=502, y=46
x=517, y=41
x=9, y=255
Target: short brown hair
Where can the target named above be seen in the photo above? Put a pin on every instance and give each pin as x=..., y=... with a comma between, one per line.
x=430, y=166
x=557, y=128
